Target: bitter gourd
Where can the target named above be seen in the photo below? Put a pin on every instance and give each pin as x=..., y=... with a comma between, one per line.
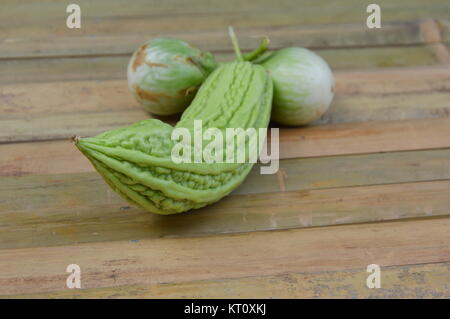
x=136, y=161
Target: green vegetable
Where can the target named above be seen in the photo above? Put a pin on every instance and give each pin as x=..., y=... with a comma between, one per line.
x=303, y=85
x=164, y=74
x=136, y=161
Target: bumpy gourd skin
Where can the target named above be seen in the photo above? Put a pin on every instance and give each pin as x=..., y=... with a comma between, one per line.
x=136, y=161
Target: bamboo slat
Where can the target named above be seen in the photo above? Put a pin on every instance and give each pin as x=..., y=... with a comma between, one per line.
x=113, y=94
x=60, y=156
x=375, y=169
x=444, y=26
x=217, y=40
x=114, y=67
x=47, y=19
x=423, y=281
x=69, y=209
x=170, y=260
x=22, y=119
x=364, y=137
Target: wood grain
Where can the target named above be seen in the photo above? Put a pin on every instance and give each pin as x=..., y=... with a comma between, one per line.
x=364, y=138
x=168, y=260
x=374, y=170
x=382, y=107
x=77, y=209
x=392, y=80
x=114, y=67
x=444, y=27
x=217, y=40
x=60, y=156
x=22, y=120
x=52, y=8
x=113, y=94
x=48, y=126
x=441, y=52
x=47, y=19
x=410, y=281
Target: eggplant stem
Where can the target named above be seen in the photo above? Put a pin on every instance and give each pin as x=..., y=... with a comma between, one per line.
x=259, y=51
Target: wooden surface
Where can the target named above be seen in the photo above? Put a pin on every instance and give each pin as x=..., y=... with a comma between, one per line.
x=368, y=183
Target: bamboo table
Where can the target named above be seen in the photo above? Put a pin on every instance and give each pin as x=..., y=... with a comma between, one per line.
x=368, y=183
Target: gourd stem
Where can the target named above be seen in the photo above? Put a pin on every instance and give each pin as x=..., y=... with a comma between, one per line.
x=75, y=139
x=257, y=52
x=236, y=48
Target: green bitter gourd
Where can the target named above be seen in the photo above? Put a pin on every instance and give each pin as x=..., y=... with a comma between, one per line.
x=136, y=161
